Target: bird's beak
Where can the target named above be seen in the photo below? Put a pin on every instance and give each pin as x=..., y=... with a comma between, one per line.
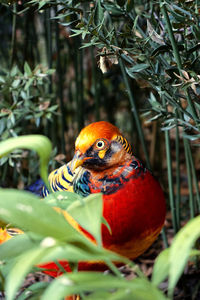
x=77, y=161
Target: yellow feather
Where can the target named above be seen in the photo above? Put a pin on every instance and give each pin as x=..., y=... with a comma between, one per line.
x=102, y=153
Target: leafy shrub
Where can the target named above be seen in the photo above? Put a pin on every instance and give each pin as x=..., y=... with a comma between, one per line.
x=24, y=100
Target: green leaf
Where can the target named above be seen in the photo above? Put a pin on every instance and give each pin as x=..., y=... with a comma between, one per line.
x=178, y=8
x=138, y=68
x=154, y=103
x=78, y=32
x=14, y=71
x=21, y=268
x=29, y=213
x=180, y=250
x=29, y=83
x=2, y=80
x=41, y=4
x=77, y=253
x=99, y=13
x=161, y=267
x=160, y=49
x=34, y=289
x=38, y=143
x=16, y=83
x=27, y=69
x=194, y=252
x=191, y=137
x=16, y=246
x=62, y=199
x=178, y=17
x=76, y=283
x=88, y=213
x=113, y=9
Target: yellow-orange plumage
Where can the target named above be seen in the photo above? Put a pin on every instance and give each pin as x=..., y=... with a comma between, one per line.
x=94, y=131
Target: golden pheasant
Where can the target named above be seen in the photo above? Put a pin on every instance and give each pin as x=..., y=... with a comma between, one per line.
x=133, y=201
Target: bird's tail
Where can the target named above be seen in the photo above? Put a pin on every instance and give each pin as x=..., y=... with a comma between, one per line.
x=36, y=187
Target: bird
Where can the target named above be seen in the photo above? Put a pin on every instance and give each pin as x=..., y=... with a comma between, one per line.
x=133, y=200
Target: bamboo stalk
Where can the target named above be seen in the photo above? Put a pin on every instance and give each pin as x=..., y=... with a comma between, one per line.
x=76, y=82
x=48, y=38
x=60, y=90
x=170, y=180
x=4, y=173
x=50, y=127
x=35, y=37
x=178, y=184
x=13, y=40
x=78, y=65
x=164, y=237
x=134, y=111
x=189, y=176
x=170, y=177
x=95, y=86
x=194, y=177
x=153, y=143
x=81, y=91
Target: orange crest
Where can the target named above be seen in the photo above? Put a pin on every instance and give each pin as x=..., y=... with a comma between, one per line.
x=94, y=131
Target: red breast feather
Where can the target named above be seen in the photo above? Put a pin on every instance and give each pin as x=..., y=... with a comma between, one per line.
x=136, y=214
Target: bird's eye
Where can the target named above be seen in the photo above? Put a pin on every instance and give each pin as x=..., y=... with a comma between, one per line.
x=100, y=144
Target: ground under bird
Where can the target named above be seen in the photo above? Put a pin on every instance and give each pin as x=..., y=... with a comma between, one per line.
x=133, y=201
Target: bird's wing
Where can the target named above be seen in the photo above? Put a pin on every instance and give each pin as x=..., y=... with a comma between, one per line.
x=63, y=179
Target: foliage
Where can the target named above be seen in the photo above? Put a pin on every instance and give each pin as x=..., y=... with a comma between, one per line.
x=25, y=104
x=38, y=143
x=172, y=261
x=151, y=47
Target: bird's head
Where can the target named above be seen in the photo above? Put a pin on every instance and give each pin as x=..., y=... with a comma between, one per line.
x=99, y=146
